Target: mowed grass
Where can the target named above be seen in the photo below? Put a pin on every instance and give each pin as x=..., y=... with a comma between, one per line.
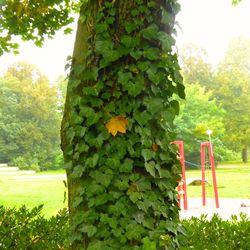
x=33, y=190
x=48, y=188
x=232, y=182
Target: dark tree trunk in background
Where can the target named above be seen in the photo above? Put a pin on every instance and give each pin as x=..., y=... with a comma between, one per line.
x=244, y=155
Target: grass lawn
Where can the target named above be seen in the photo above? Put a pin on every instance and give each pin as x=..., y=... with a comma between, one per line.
x=33, y=190
x=232, y=182
x=47, y=187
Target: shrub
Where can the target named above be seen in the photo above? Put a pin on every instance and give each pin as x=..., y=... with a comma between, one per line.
x=25, y=163
x=25, y=229
x=217, y=234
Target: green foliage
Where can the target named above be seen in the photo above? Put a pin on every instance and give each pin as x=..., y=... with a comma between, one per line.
x=17, y=19
x=235, y=2
x=229, y=86
x=29, y=118
x=25, y=164
x=194, y=66
x=232, y=91
x=123, y=65
x=26, y=229
x=198, y=113
x=218, y=234
x=122, y=183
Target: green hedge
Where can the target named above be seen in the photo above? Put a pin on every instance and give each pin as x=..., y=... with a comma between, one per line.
x=23, y=229
x=233, y=234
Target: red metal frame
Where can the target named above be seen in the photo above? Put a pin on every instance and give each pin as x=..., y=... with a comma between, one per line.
x=208, y=146
x=182, y=187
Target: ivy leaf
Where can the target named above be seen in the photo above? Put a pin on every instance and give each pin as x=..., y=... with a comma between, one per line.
x=87, y=111
x=77, y=201
x=154, y=105
x=91, y=162
x=134, y=196
x=89, y=229
x=152, y=53
x=110, y=56
x=129, y=27
x=166, y=17
x=117, y=124
x=78, y=171
x=148, y=154
x=155, y=147
x=150, y=167
x=90, y=91
x=97, y=245
x=175, y=105
x=150, y=32
x=129, y=41
x=104, y=46
x=90, y=74
x=142, y=117
x=127, y=166
x=166, y=41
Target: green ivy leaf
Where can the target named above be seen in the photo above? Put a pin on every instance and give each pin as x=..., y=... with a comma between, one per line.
x=150, y=167
x=150, y=33
x=89, y=229
x=130, y=27
x=90, y=74
x=166, y=41
x=90, y=91
x=77, y=201
x=129, y=41
x=148, y=154
x=152, y=53
x=127, y=166
x=134, y=196
x=98, y=245
x=154, y=105
x=78, y=171
x=91, y=162
x=175, y=105
x=142, y=117
x=166, y=17
x=109, y=57
x=87, y=111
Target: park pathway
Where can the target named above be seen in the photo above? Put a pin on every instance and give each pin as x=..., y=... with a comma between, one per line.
x=227, y=208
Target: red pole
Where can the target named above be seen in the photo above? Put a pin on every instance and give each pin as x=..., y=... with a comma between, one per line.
x=211, y=155
x=182, y=188
x=203, y=180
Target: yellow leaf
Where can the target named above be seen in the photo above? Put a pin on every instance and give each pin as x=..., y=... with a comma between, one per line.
x=155, y=147
x=117, y=124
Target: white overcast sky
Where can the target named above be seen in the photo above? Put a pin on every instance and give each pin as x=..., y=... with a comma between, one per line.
x=210, y=24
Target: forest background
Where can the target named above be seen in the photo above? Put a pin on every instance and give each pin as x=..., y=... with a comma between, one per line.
x=217, y=98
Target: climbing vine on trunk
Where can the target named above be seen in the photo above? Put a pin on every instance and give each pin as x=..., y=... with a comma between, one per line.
x=122, y=177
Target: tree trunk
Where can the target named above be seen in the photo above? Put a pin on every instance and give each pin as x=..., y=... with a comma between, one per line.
x=117, y=127
x=244, y=155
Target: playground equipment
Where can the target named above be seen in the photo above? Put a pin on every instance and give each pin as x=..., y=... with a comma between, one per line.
x=208, y=146
x=182, y=186
x=206, y=149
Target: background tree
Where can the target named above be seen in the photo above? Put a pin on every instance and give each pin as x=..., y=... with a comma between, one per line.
x=30, y=119
x=194, y=65
x=198, y=113
x=232, y=90
x=118, y=117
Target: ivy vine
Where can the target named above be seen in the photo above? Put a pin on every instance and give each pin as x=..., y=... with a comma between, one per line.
x=127, y=182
